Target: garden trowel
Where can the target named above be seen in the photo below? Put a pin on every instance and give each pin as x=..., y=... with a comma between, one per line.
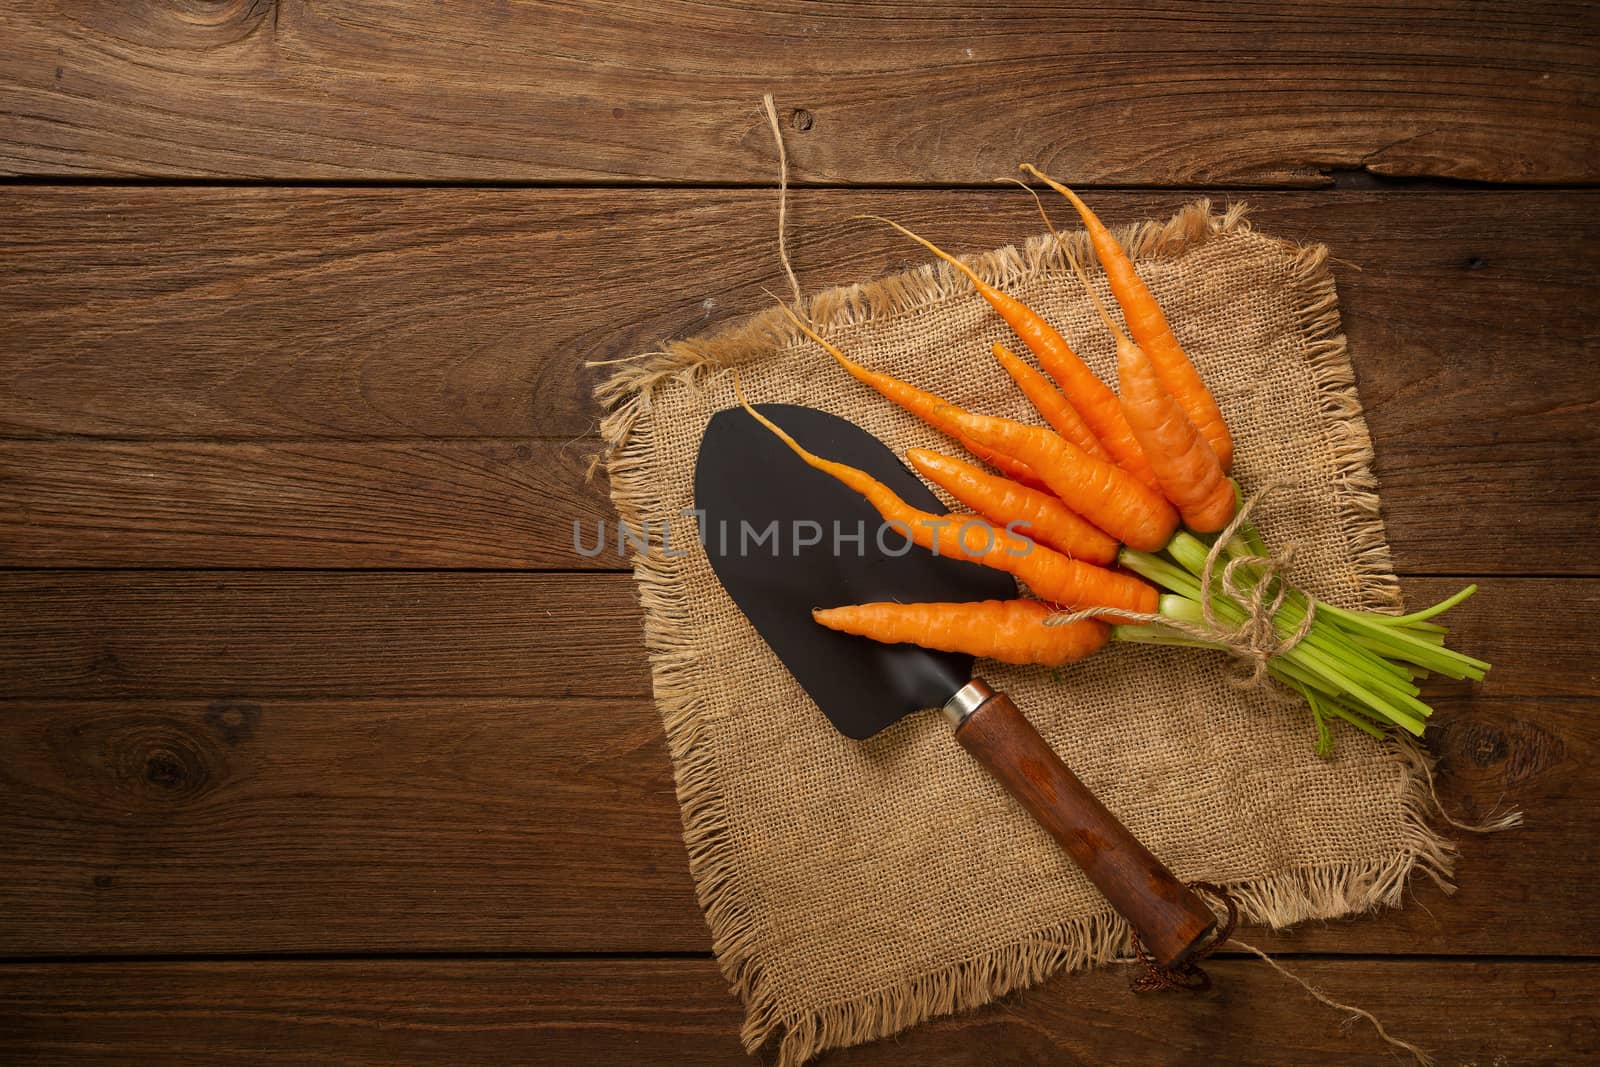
x=784, y=538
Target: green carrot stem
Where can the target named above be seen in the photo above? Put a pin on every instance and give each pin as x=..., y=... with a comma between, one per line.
x=1377, y=645
x=1331, y=705
x=1253, y=541
x=1291, y=674
x=1402, y=708
x=1354, y=658
x=1353, y=717
x=1189, y=551
x=1331, y=639
x=1399, y=644
x=1246, y=540
x=1160, y=571
x=1191, y=554
x=1416, y=616
x=1383, y=693
x=1393, y=642
x=1324, y=745
x=1335, y=661
x=1432, y=637
x=1156, y=634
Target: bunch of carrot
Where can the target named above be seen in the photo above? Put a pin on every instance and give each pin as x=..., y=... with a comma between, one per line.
x=1109, y=480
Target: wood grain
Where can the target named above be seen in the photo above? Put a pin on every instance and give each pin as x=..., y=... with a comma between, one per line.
x=677, y=1012
x=389, y=313
x=209, y=810
x=133, y=314
x=1170, y=919
x=345, y=758
x=244, y=825
x=96, y=634
x=223, y=634
x=1126, y=93
x=503, y=503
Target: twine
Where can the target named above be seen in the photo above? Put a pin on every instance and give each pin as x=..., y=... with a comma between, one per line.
x=1492, y=824
x=783, y=195
x=1255, y=641
x=1189, y=977
x=1419, y=1054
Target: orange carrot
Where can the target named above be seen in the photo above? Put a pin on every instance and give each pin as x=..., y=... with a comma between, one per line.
x=1047, y=400
x=1104, y=493
x=1012, y=631
x=1088, y=394
x=1151, y=329
x=1047, y=520
x=1054, y=577
x=1190, y=474
x=1056, y=410
x=1014, y=469
x=931, y=409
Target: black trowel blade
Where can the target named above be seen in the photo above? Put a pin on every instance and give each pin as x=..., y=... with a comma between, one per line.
x=784, y=538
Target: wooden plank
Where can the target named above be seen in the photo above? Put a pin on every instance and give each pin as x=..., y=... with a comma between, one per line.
x=357, y=313
x=247, y=820
x=340, y=825
x=500, y=503
x=215, y=635
x=94, y=634
x=1527, y=890
x=1127, y=93
x=677, y=1012
x=238, y=826
x=451, y=313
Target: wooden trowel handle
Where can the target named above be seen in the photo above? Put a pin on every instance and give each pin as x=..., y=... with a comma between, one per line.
x=1171, y=920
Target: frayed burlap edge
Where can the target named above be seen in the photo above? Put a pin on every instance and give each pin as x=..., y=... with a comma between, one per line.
x=734, y=917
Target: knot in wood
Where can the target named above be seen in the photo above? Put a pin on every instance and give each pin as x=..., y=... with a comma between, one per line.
x=161, y=760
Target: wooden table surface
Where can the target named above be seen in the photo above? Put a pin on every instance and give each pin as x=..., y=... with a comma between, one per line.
x=319, y=740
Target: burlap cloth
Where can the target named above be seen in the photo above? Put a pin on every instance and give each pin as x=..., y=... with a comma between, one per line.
x=854, y=889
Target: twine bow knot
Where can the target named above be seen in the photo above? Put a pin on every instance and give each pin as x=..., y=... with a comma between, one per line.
x=1256, y=640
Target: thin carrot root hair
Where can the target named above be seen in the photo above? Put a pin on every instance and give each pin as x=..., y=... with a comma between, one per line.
x=1116, y=332
x=828, y=347
x=933, y=410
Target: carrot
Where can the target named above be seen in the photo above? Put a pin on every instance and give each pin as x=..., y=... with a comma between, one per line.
x=1054, y=577
x=1191, y=475
x=1151, y=329
x=1012, y=631
x=1104, y=493
x=1056, y=410
x=1014, y=469
x=931, y=409
x=1088, y=394
x=1049, y=521
x=1047, y=400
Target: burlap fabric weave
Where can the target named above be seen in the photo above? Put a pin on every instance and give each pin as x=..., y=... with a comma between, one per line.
x=854, y=889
